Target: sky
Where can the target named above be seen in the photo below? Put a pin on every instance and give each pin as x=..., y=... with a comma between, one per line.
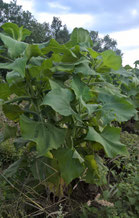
x=118, y=18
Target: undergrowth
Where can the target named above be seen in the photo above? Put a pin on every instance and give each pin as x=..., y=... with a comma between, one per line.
x=23, y=196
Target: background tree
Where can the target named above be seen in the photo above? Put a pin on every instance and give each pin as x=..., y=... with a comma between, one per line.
x=105, y=43
x=59, y=31
x=55, y=27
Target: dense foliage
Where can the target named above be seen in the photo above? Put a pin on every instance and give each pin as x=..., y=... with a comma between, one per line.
x=66, y=102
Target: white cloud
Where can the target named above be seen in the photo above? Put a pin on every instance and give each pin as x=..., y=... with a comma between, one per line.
x=130, y=56
x=128, y=42
x=27, y=5
x=58, y=6
x=7, y=1
x=134, y=12
x=128, y=38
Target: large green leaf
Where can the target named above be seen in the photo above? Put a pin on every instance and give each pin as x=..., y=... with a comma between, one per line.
x=115, y=107
x=109, y=139
x=80, y=36
x=15, y=48
x=59, y=99
x=70, y=167
x=111, y=59
x=18, y=33
x=46, y=137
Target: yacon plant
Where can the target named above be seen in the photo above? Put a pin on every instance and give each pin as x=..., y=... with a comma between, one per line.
x=64, y=104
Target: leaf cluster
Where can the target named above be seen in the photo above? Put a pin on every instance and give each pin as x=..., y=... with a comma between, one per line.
x=65, y=99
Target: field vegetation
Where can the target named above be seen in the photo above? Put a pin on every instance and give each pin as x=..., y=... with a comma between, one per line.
x=69, y=144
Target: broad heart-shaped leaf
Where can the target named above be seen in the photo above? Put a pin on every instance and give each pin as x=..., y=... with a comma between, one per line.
x=46, y=138
x=4, y=91
x=80, y=36
x=111, y=60
x=59, y=99
x=17, y=66
x=109, y=139
x=15, y=48
x=115, y=108
x=70, y=167
x=18, y=33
